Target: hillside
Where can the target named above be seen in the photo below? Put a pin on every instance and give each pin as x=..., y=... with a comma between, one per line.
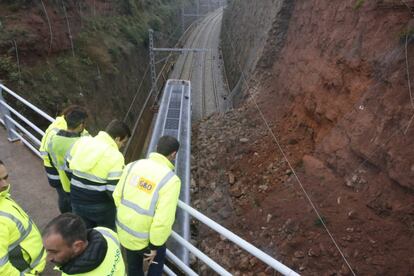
x=323, y=122
x=94, y=53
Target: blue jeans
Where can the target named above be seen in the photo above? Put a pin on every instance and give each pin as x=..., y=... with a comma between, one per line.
x=101, y=214
x=135, y=261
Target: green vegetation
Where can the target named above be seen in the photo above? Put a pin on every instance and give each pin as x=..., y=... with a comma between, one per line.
x=8, y=68
x=110, y=54
x=319, y=222
x=358, y=4
x=406, y=32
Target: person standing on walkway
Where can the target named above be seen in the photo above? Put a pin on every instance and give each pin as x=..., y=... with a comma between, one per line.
x=78, y=251
x=58, y=147
x=146, y=198
x=21, y=249
x=51, y=171
x=96, y=165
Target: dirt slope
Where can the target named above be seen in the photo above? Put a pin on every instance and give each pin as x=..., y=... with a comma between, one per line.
x=336, y=97
x=94, y=53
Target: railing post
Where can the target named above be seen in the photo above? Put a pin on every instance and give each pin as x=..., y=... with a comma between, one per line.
x=4, y=113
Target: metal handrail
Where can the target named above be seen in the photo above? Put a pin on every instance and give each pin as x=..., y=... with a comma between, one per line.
x=27, y=103
x=26, y=135
x=9, y=121
x=180, y=264
x=24, y=119
x=207, y=260
x=238, y=240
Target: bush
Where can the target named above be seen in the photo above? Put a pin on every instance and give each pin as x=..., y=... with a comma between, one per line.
x=8, y=69
x=358, y=4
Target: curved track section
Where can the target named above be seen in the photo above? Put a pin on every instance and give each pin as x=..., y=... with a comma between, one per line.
x=203, y=69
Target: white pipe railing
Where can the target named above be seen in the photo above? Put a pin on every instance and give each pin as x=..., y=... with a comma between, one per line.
x=30, y=146
x=27, y=103
x=196, y=214
x=25, y=131
x=180, y=264
x=21, y=117
x=169, y=271
x=26, y=135
x=207, y=260
x=239, y=241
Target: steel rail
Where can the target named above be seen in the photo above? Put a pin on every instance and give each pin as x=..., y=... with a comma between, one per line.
x=214, y=65
x=193, y=42
x=204, y=83
x=211, y=67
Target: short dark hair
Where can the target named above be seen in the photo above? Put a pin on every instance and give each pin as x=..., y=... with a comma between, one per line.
x=1, y=163
x=69, y=109
x=76, y=116
x=119, y=129
x=167, y=145
x=70, y=226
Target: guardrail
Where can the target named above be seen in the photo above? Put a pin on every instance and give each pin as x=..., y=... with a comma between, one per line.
x=25, y=130
x=28, y=137
x=278, y=266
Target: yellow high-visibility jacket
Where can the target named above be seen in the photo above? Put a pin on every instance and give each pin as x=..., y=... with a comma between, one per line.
x=96, y=165
x=21, y=248
x=59, y=146
x=113, y=264
x=146, y=198
x=53, y=128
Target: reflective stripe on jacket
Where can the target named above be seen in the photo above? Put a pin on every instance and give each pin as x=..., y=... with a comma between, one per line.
x=96, y=165
x=21, y=248
x=146, y=198
x=53, y=128
x=113, y=264
x=59, y=146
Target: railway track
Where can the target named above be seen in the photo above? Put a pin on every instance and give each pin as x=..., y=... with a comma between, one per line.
x=211, y=72
x=199, y=67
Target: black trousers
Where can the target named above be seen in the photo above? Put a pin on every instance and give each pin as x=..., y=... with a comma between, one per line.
x=101, y=214
x=136, y=266
x=63, y=201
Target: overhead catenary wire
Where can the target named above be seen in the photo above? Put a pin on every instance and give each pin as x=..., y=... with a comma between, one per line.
x=290, y=165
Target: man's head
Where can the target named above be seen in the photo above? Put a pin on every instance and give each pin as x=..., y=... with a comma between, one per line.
x=75, y=118
x=64, y=238
x=119, y=131
x=4, y=184
x=168, y=146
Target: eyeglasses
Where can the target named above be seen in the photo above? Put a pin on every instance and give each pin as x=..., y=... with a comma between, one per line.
x=4, y=178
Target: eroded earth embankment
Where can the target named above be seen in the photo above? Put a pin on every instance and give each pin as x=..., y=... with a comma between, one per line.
x=331, y=79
